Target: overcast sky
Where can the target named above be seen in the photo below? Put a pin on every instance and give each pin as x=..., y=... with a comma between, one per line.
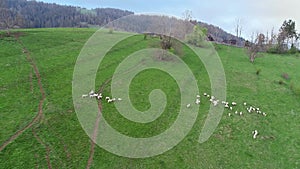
x=256, y=15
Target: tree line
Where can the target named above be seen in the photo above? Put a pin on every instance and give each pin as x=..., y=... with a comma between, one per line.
x=285, y=41
x=33, y=14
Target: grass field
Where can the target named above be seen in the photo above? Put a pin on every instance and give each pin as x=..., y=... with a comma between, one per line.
x=59, y=139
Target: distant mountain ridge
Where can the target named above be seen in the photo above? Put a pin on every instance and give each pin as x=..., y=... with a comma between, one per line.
x=221, y=36
x=40, y=15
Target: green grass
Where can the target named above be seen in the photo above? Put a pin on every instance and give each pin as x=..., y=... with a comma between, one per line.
x=231, y=146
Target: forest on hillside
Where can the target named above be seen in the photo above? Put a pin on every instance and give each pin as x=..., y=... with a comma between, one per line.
x=33, y=14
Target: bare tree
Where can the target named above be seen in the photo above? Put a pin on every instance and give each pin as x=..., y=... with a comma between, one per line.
x=187, y=15
x=239, y=27
x=273, y=37
x=9, y=18
x=261, y=39
x=255, y=46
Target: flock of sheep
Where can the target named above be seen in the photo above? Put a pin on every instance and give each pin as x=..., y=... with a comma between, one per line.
x=230, y=106
x=99, y=96
x=212, y=99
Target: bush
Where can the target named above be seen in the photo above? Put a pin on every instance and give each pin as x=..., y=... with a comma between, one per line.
x=293, y=50
x=258, y=71
x=273, y=49
x=281, y=82
x=111, y=30
x=197, y=37
x=295, y=89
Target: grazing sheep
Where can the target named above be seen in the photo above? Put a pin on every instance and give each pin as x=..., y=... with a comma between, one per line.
x=230, y=108
x=113, y=99
x=215, y=102
x=212, y=97
x=119, y=99
x=250, y=109
x=205, y=94
x=107, y=98
x=84, y=96
x=188, y=105
x=198, y=96
x=241, y=113
x=99, y=97
x=255, y=133
x=93, y=95
x=236, y=112
x=264, y=114
x=197, y=101
x=245, y=104
x=233, y=103
x=91, y=92
x=109, y=101
x=226, y=106
x=229, y=114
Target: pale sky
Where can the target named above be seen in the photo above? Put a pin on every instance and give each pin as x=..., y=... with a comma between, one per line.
x=256, y=15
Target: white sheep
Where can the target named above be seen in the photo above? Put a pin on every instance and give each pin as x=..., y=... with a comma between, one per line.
x=99, y=97
x=119, y=99
x=233, y=103
x=107, y=98
x=264, y=114
x=250, y=109
x=215, y=102
x=188, y=105
x=205, y=94
x=255, y=133
x=91, y=92
x=245, y=104
x=198, y=96
x=93, y=95
x=197, y=101
x=241, y=113
x=84, y=96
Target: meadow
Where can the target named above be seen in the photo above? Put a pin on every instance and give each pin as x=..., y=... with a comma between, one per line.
x=57, y=139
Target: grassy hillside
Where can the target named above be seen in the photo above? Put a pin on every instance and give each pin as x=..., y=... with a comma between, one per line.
x=58, y=140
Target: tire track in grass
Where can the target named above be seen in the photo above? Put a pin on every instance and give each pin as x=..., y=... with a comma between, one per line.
x=94, y=137
x=46, y=147
x=59, y=137
x=30, y=81
x=41, y=102
x=95, y=131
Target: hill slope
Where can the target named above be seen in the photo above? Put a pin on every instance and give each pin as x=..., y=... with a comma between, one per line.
x=57, y=139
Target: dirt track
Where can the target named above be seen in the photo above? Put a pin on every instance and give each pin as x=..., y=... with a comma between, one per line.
x=95, y=132
x=41, y=102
